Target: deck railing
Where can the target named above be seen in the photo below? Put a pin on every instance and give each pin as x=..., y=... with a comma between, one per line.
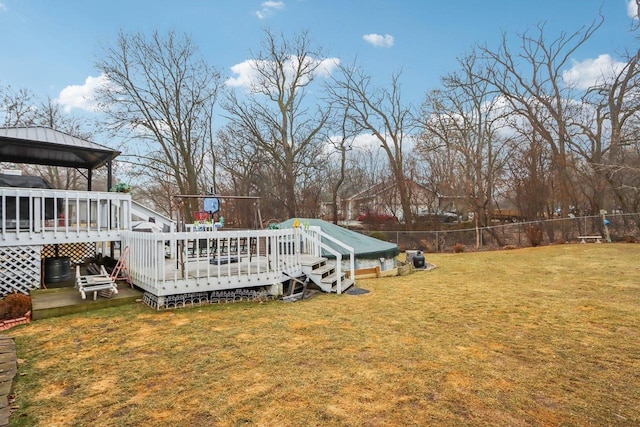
x=42, y=216
x=202, y=261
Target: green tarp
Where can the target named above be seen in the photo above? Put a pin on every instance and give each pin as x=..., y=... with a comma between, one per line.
x=364, y=246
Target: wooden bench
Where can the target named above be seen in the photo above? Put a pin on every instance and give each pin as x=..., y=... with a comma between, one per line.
x=585, y=239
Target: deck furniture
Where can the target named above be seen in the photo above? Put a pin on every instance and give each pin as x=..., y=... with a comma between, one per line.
x=95, y=283
x=120, y=271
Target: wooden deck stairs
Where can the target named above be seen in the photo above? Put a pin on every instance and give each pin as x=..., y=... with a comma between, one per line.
x=323, y=274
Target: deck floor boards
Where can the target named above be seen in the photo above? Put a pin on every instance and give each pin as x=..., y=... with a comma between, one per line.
x=61, y=301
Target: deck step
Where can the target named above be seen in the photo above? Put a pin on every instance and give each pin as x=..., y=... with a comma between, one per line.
x=346, y=284
x=323, y=274
x=331, y=279
x=330, y=283
x=322, y=271
x=312, y=261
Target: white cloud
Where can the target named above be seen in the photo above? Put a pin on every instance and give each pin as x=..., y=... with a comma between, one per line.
x=81, y=96
x=273, y=4
x=268, y=7
x=327, y=66
x=591, y=72
x=632, y=9
x=247, y=74
x=379, y=41
x=366, y=141
x=3, y=7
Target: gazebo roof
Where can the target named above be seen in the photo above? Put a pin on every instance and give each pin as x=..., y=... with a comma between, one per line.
x=46, y=146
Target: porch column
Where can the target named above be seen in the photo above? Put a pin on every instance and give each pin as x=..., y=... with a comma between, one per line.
x=109, y=175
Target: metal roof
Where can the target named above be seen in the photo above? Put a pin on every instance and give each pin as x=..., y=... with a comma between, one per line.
x=46, y=146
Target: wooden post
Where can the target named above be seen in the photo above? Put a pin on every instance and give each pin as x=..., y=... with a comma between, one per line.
x=605, y=224
x=477, y=233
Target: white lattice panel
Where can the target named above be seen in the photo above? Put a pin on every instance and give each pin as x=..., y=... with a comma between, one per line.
x=20, y=269
x=77, y=252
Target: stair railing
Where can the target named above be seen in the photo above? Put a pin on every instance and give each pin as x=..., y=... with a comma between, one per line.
x=312, y=241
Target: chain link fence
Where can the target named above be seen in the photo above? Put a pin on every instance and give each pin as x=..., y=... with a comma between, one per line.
x=466, y=237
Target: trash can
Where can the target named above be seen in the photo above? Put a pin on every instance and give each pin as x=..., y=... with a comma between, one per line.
x=57, y=269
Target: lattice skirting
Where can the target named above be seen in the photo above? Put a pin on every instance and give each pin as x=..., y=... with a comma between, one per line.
x=199, y=298
x=20, y=269
x=77, y=252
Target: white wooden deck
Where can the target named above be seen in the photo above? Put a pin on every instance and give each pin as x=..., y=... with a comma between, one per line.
x=38, y=223
x=174, y=263
x=44, y=216
x=162, y=264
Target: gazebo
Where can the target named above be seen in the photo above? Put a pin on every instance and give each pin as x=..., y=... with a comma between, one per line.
x=48, y=147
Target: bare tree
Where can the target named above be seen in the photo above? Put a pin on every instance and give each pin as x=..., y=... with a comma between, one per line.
x=240, y=163
x=381, y=112
x=50, y=114
x=467, y=118
x=534, y=187
x=530, y=80
x=336, y=167
x=20, y=108
x=609, y=127
x=17, y=107
x=162, y=95
x=277, y=114
x=242, y=172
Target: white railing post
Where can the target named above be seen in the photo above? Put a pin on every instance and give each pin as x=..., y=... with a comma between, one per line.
x=339, y=272
x=37, y=204
x=3, y=206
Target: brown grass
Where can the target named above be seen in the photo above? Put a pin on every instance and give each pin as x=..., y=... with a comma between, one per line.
x=541, y=336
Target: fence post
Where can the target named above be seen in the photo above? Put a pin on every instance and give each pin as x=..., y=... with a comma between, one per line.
x=605, y=224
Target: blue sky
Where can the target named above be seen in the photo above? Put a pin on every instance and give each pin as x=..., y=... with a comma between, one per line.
x=50, y=47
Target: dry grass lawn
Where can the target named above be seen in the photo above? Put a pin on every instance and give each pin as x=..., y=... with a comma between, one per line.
x=541, y=336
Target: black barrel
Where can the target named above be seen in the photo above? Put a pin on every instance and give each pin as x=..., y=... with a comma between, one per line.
x=57, y=269
x=418, y=260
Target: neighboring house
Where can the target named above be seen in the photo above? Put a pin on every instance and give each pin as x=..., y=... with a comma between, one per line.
x=381, y=200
